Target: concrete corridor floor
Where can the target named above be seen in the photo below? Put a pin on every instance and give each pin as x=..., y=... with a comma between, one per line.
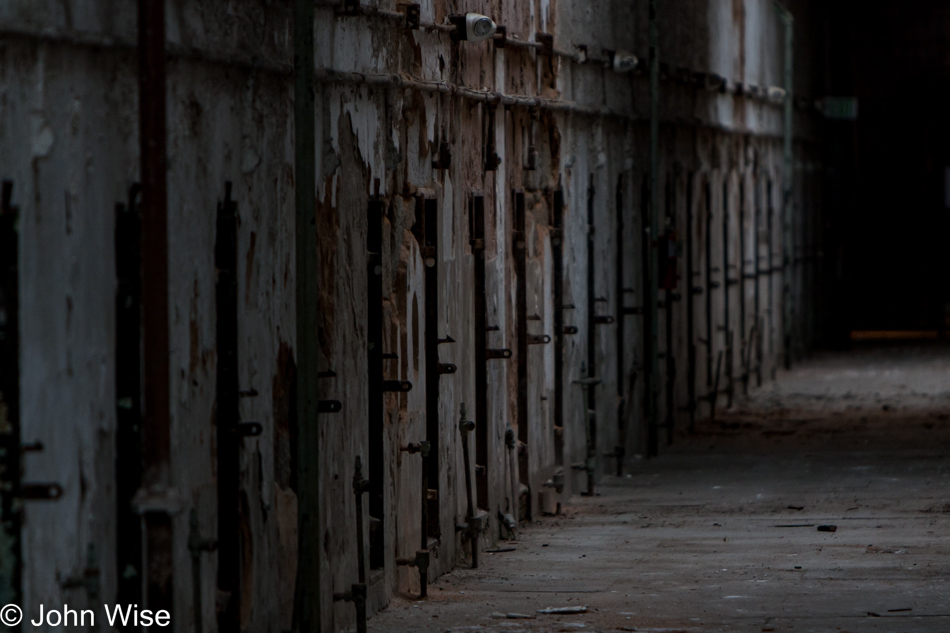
x=721, y=533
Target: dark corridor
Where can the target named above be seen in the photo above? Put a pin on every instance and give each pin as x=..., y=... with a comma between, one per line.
x=890, y=169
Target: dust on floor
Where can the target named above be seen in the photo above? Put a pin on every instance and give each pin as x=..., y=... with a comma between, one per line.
x=819, y=503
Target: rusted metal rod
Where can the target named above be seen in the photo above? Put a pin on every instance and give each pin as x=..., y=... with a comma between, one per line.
x=466, y=426
x=156, y=499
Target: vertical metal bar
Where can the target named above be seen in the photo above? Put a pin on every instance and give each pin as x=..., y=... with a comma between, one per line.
x=11, y=554
x=591, y=341
x=309, y=596
x=771, y=309
x=788, y=182
x=358, y=591
x=430, y=466
x=621, y=448
x=819, y=191
x=690, y=308
x=649, y=318
x=359, y=487
x=465, y=428
x=521, y=325
x=670, y=356
x=557, y=243
x=745, y=342
x=760, y=326
x=477, y=213
x=709, y=287
x=727, y=322
x=156, y=437
x=228, y=444
x=128, y=388
x=651, y=308
x=375, y=404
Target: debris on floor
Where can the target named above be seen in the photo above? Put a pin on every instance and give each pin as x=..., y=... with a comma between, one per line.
x=563, y=610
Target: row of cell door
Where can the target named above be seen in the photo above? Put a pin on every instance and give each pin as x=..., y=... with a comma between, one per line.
x=720, y=316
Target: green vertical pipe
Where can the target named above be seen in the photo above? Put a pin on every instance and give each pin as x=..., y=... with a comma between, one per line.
x=788, y=181
x=652, y=298
x=308, y=593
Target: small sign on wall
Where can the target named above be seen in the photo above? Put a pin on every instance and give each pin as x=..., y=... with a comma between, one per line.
x=839, y=108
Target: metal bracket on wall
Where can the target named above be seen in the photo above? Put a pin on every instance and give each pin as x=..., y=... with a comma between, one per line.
x=412, y=448
x=412, y=11
x=329, y=406
x=547, y=44
x=40, y=491
x=491, y=158
x=89, y=579
x=349, y=8
x=420, y=561
x=443, y=158
x=249, y=429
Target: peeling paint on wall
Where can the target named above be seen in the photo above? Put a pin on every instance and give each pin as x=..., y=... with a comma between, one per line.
x=400, y=114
